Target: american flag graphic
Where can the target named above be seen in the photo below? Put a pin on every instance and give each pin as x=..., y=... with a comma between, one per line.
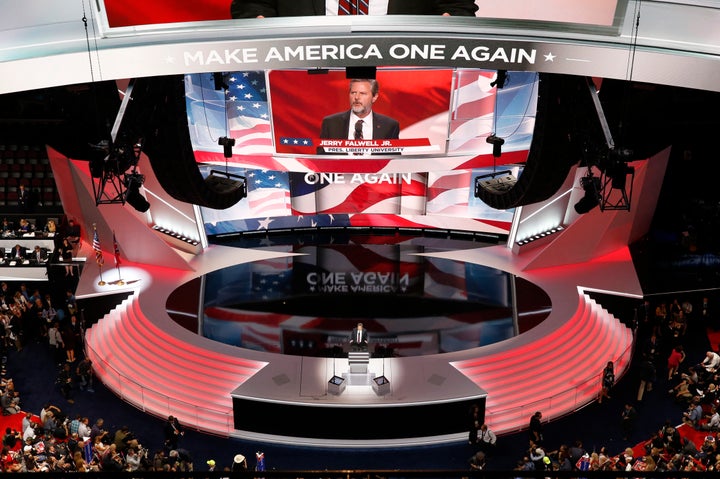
x=455, y=109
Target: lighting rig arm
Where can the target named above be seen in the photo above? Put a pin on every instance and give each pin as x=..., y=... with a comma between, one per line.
x=115, y=177
x=615, y=172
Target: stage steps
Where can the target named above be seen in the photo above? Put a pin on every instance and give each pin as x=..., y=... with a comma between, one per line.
x=544, y=376
x=177, y=378
x=194, y=384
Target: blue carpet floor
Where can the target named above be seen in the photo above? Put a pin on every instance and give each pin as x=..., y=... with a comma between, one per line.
x=596, y=425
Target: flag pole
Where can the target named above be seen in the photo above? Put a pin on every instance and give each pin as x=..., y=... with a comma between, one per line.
x=120, y=280
x=98, y=253
x=116, y=253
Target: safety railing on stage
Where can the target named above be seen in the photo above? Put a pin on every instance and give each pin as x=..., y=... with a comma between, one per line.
x=569, y=400
x=156, y=403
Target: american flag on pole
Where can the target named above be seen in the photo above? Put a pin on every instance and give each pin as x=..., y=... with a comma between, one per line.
x=116, y=250
x=97, y=249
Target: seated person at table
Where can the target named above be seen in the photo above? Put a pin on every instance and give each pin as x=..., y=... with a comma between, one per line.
x=359, y=338
x=18, y=252
x=6, y=228
x=50, y=228
x=38, y=254
x=25, y=226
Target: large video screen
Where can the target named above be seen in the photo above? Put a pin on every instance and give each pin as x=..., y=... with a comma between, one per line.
x=422, y=178
x=128, y=13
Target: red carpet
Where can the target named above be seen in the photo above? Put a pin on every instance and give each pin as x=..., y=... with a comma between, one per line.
x=14, y=422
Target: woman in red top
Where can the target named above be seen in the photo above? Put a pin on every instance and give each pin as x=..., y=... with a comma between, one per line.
x=676, y=357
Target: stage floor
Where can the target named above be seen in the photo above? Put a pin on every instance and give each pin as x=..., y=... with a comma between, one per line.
x=155, y=353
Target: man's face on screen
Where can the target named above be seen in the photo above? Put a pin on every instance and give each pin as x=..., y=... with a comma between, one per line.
x=361, y=98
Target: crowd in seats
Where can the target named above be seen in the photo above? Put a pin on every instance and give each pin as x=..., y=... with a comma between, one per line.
x=687, y=442
x=50, y=441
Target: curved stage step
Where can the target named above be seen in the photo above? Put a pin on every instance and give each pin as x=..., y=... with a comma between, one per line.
x=163, y=375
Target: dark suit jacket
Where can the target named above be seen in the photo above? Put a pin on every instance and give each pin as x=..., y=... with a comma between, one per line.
x=363, y=336
x=336, y=126
x=295, y=8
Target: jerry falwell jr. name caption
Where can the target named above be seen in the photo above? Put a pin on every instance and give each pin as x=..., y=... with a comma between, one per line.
x=360, y=146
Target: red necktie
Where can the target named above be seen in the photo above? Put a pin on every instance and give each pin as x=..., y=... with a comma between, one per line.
x=358, y=134
x=353, y=7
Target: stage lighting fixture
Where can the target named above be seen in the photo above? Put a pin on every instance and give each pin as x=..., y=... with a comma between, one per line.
x=227, y=144
x=498, y=182
x=591, y=185
x=224, y=183
x=97, y=167
x=133, y=182
x=500, y=79
x=497, y=144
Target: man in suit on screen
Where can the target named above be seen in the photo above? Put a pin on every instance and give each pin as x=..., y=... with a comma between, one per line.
x=360, y=122
x=293, y=8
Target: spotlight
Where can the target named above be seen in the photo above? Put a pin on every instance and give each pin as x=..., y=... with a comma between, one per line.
x=227, y=144
x=133, y=182
x=500, y=79
x=591, y=185
x=497, y=143
x=97, y=167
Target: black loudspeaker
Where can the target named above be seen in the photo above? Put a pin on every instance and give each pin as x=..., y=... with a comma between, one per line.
x=225, y=183
x=367, y=73
x=158, y=112
x=498, y=183
x=565, y=116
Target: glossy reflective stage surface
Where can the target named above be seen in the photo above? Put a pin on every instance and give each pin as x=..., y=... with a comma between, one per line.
x=308, y=302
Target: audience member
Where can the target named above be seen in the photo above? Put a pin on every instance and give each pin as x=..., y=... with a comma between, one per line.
x=607, y=381
x=677, y=356
x=628, y=416
x=711, y=362
x=536, y=428
x=486, y=440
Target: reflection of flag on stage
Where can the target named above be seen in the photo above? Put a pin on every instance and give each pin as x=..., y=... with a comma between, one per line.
x=97, y=249
x=116, y=250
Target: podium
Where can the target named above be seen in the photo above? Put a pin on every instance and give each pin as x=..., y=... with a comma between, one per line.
x=358, y=361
